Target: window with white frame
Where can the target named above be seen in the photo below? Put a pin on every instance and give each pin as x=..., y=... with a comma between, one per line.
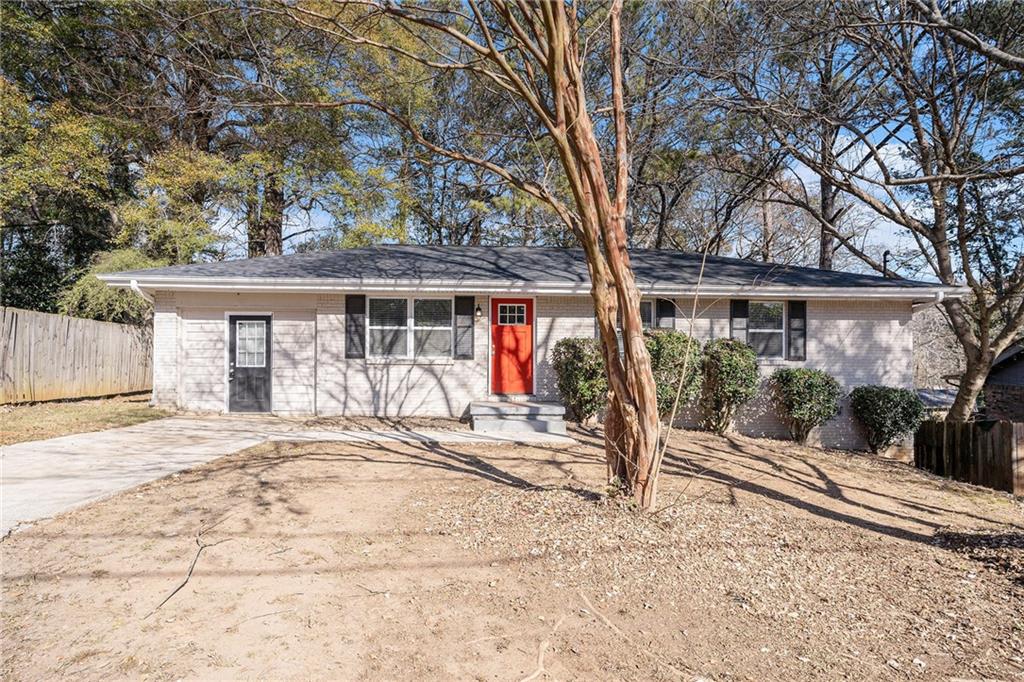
x=432, y=327
x=405, y=327
x=647, y=314
x=387, y=327
x=250, y=343
x=511, y=314
x=766, y=328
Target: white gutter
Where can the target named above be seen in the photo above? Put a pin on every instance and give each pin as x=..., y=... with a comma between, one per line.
x=940, y=296
x=323, y=285
x=134, y=284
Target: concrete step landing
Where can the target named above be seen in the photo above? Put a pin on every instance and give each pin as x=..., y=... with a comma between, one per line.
x=517, y=417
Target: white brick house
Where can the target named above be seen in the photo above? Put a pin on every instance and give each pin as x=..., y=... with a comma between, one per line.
x=408, y=330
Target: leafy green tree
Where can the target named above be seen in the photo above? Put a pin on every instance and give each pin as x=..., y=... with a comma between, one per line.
x=182, y=191
x=89, y=297
x=56, y=190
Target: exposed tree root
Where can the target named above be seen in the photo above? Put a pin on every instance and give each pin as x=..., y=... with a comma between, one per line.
x=639, y=647
x=541, y=650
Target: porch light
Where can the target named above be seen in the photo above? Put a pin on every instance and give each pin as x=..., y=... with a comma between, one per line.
x=479, y=311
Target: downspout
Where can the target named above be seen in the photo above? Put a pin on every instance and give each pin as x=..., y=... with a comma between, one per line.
x=134, y=284
x=940, y=296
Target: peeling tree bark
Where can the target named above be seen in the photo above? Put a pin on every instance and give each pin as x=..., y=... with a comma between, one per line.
x=531, y=51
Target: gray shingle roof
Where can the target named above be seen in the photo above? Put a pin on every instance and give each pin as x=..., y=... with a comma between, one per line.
x=513, y=264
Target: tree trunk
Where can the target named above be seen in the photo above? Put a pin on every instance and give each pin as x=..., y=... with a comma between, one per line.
x=827, y=198
x=633, y=398
x=971, y=384
x=767, y=227
x=827, y=242
x=826, y=189
x=266, y=226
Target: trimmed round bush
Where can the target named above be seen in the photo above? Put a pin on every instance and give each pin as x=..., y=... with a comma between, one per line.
x=582, y=383
x=888, y=414
x=807, y=398
x=672, y=353
x=730, y=378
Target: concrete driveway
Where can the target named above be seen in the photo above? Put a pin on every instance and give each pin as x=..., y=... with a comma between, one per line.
x=41, y=478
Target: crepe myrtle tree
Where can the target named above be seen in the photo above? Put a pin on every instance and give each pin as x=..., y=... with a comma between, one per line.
x=561, y=138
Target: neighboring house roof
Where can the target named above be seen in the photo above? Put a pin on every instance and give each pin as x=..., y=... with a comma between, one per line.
x=937, y=398
x=524, y=269
x=1008, y=367
x=1011, y=353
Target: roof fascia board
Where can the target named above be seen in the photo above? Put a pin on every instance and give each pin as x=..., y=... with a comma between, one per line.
x=312, y=285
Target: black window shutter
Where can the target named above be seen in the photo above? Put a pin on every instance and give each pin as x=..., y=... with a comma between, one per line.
x=464, y=319
x=666, y=315
x=355, y=326
x=739, y=311
x=796, y=324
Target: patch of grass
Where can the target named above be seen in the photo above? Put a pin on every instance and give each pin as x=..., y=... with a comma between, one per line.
x=21, y=423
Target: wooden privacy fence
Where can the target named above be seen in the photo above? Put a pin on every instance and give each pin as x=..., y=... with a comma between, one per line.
x=988, y=453
x=46, y=357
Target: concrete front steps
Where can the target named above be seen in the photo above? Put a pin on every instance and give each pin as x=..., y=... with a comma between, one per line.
x=517, y=417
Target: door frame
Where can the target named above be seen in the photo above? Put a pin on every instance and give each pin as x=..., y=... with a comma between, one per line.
x=227, y=357
x=490, y=344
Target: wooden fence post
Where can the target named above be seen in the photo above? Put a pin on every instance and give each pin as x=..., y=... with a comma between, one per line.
x=988, y=453
x=47, y=357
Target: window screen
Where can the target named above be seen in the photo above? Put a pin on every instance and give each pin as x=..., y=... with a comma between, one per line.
x=765, y=328
x=388, y=327
x=432, y=327
x=647, y=314
x=390, y=332
x=250, y=343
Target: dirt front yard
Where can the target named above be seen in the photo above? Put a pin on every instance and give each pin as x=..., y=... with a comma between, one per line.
x=387, y=561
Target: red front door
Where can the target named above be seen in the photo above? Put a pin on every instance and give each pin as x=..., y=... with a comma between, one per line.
x=511, y=345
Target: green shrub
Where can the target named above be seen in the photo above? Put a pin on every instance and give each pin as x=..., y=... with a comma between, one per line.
x=579, y=366
x=730, y=378
x=671, y=352
x=807, y=398
x=582, y=383
x=888, y=414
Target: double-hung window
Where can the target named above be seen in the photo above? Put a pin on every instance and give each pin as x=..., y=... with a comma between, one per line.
x=646, y=314
x=766, y=328
x=432, y=327
x=388, y=328
x=409, y=327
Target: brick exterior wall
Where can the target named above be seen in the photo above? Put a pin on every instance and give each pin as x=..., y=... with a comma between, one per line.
x=394, y=387
x=858, y=342
x=190, y=340
x=166, y=346
x=1004, y=401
